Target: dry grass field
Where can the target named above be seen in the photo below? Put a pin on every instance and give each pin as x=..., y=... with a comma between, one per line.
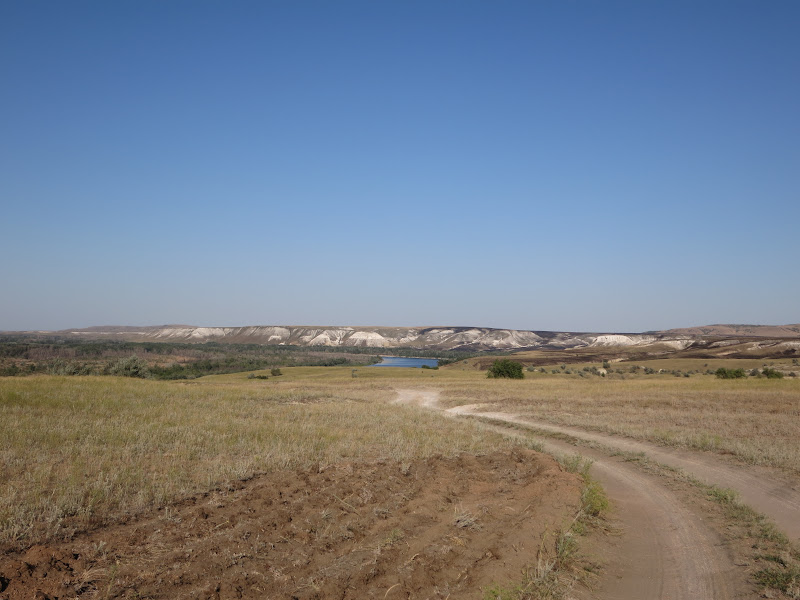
x=79, y=451
x=756, y=420
x=311, y=484
x=80, y=456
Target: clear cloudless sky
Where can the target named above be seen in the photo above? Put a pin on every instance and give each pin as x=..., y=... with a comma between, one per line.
x=564, y=165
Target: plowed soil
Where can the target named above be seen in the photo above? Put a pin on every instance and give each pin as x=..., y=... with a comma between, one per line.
x=435, y=528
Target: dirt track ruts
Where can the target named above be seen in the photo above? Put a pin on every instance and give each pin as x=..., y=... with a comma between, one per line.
x=762, y=489
x=666, y=551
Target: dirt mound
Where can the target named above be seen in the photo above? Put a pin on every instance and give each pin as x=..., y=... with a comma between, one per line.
x=435, y=528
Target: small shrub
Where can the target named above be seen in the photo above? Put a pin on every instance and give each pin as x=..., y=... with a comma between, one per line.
x=505, y=368
x=770, y=373
x=133, y=366
x=275, y=372
x=723, y=373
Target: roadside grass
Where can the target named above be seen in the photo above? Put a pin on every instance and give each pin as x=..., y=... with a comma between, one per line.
x=79, y=452
x=778, y=558
x=557, y=569
x=755, y=420
x=775, y=560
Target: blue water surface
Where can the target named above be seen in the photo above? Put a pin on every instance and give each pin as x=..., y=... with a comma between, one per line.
x=400, y=361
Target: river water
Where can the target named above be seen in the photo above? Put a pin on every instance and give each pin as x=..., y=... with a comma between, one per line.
x=402, y=361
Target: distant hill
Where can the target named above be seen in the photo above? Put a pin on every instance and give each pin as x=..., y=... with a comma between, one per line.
x=477, y=339
x=769, y=331
x=444, y=338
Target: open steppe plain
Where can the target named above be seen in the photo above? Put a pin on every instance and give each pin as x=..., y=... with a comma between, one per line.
x=318, y=484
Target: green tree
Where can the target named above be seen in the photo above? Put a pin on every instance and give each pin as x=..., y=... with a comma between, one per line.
x=505, y=368
x=133, y=366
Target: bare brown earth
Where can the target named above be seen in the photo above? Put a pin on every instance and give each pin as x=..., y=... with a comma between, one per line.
x=668, y=548
x=434, y=528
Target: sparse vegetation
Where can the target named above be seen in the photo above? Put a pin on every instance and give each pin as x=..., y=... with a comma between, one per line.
x=756, y=420
x=783, y=569
x=785, y=578
x=84, y=450
x=550, y=578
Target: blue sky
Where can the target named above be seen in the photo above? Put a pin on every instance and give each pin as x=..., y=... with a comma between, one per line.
x=587, y=166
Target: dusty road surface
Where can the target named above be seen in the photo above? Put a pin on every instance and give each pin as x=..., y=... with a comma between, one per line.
x=766, y=490
x=433, y=528
x=666, y=550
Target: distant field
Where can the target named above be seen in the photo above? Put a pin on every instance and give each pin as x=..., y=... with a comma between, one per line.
x=755, y=419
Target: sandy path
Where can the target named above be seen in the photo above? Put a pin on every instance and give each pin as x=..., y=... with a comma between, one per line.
x=763, y=489
x=667, y=552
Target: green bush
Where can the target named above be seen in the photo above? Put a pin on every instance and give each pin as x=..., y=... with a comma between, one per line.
x=275, y=372
x=771, y=373
x=723, y=373
x=505, y=368
x=133, y=366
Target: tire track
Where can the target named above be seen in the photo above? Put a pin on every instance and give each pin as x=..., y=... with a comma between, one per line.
x=761, y=488
x=667, y=552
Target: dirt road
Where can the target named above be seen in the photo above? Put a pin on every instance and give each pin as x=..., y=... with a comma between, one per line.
x=765, y=490
x=667, y=550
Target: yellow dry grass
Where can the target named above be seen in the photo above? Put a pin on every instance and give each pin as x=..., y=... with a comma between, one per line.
x=757, y=420
x=79, y=451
